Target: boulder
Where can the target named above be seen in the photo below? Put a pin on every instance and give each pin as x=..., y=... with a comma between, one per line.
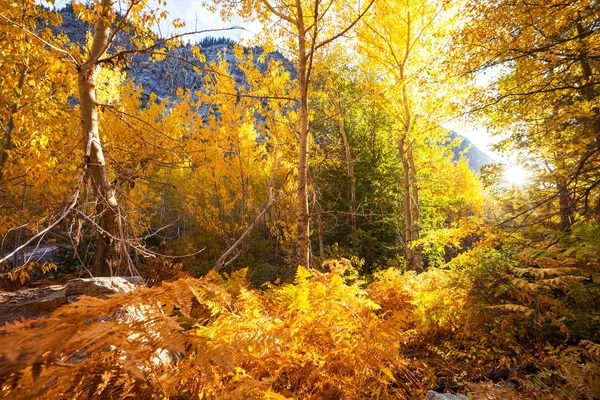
x=39, y=302
x=431, y=395
x=135, y=280
x=30, y=303
x=100, y=287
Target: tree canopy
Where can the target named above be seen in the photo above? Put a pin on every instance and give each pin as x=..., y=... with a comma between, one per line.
x=304, y=224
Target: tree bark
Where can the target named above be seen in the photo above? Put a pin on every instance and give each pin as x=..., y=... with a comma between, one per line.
x=412, y=211
x=303, y=216
x=408, y=223
x=565, y=205
x=415, y=210
x=111, y=257
x=321, y=242
x=349, y=170
x=412, y=215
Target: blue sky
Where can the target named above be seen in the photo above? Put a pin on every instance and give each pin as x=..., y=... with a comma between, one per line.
x=198, y=18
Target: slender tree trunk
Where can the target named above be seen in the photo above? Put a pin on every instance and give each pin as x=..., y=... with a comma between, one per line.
x=587, y=76
x=180, y=220
x=589, y=91
x=565, y=205
x=303, y=216
x=415, y=210
x=406, y=203
x=319, y=214
x=20, y=230
x=222, y=221
x=243, y=182
x=321, y=241
x=163, y=217
x=349, y=171
x=111, y=257
x=412, y=211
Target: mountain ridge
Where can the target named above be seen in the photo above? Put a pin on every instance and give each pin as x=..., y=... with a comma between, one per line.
x=475, y=157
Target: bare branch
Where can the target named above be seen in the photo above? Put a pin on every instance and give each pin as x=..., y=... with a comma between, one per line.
x=343, y=32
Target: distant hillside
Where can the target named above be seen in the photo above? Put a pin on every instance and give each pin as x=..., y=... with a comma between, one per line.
x=475, y=157
x=164, y=77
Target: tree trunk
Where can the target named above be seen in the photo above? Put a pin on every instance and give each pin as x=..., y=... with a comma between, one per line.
x=321, y=242
x=349, y=170
x=415, y=210
x=412, y=211
x=112, y=257
x=587, y=77
x=565, y=204
x=414, y=257
x=20, y=230
x=408, y=230
x=303, y=216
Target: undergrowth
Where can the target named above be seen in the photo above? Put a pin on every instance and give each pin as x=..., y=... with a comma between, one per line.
x=327, y=335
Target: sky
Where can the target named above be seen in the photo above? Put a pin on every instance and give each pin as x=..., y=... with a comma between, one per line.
x=476, y=134
x=197, y=17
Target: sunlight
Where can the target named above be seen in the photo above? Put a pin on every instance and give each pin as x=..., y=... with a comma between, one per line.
x=516, y=175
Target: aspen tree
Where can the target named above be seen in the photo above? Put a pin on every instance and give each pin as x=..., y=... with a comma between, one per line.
x=305, y=27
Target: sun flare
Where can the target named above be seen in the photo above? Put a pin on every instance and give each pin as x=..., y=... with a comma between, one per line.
x=516, y=175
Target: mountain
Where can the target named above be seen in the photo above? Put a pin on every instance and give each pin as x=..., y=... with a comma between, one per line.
x=475, y=157
x=164, y=77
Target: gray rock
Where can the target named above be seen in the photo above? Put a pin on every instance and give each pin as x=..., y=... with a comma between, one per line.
x=30, y=303
x=135, y=280
x=39, y=302
x=99, y=287
x=431, y=395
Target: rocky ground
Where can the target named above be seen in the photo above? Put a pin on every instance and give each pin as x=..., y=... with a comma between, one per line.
x=39, y=302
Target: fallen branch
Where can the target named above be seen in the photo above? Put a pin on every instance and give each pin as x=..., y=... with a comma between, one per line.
x=43, y=232
x=220, y=264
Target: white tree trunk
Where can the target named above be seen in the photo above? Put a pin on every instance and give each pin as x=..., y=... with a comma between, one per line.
x=111, y=257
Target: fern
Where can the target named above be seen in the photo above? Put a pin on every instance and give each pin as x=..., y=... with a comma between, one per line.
x=214, y=337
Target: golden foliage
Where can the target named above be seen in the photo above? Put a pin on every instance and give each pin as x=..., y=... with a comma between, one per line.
x=318, y=338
